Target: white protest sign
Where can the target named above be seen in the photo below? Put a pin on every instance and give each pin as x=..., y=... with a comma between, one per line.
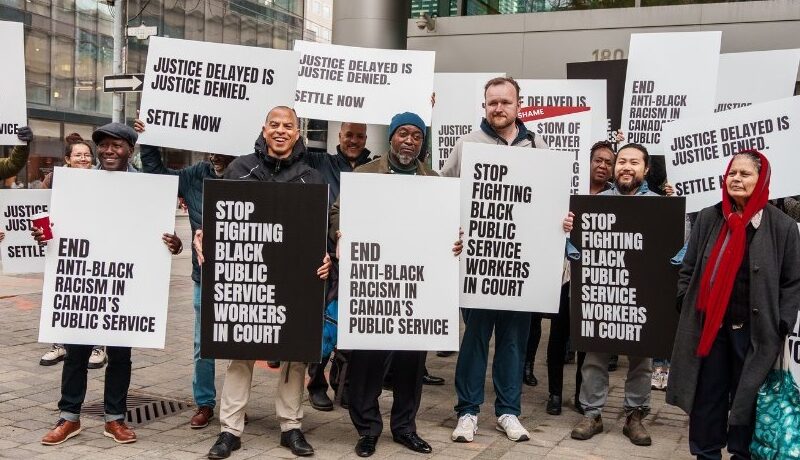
x=670, y=76
x=13, y=108
x=697, y=150
x=107, y=271
x=18, y=250
x=736, y=87
x=398, y=291
x=791, y=352
x=362, y=85
x=512, y=211
x=212, y=97
x=569, y=115
x=459, y=100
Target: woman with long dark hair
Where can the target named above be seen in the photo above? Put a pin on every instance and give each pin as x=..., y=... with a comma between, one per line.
x=739, y=291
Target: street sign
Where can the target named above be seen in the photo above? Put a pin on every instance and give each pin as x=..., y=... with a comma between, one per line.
x=142, y=32
x=123, y=83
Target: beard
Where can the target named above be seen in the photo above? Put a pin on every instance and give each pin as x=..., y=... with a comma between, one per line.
x=499, y=123
x=627, y=188
x=403, y=158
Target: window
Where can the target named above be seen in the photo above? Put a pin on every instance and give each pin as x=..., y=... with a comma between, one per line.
x=37, y=66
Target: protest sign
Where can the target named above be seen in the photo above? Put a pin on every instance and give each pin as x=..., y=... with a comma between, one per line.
x=698, y=150
x=212, y=97
x=791, y=351
x=736, y=87
x=18, y=251
x=13, y=108
x=459, y=97
x=398, y=278
x=658, y=89
x=263, y=243
x=362, y=85
x=613, y=72
x=623, y=288
x=107, y=270
x=565, y=114
x=512, y=209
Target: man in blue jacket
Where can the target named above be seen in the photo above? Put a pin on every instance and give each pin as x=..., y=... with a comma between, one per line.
x=190, y=188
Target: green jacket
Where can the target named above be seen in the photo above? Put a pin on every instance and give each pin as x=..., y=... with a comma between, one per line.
x=9, y=167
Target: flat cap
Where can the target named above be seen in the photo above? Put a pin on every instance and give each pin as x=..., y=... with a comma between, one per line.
x=116, y=130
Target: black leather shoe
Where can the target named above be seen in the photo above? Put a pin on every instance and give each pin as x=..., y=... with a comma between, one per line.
x=365, y=446
x=320, y=401
x=296, y=442
x=528, y=376
x=445, y=354
x=226, y=443
x=553, y=405
x=413, y=442
x=428, y=379
x=578, y=406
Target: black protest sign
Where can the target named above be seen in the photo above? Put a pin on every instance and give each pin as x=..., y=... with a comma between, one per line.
x=261, y=296
x=613, y=72
x=623, y=288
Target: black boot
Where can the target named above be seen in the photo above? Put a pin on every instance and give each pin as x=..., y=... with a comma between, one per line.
x=528, y=376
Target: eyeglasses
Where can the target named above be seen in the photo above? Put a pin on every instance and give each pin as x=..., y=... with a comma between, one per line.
x=81, y=155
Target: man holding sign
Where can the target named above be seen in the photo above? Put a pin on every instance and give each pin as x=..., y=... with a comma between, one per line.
x=278, y=162
x=115, y=143
x=630, y=169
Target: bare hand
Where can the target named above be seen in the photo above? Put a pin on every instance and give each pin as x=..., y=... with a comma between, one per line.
x=38, y=234
x=620, y=137
x=668, y=189
x=198, y=245
x=138, y=126
x=433, y=99
x=458, y=246
x=567, y=224
x=338, y=238
x=174, y=244
x=2, y=236
x=325, y=269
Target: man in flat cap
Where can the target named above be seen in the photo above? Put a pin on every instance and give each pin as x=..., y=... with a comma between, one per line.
x=115, y=143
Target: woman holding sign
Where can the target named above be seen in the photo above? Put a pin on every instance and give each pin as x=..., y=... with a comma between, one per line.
x=738, y=292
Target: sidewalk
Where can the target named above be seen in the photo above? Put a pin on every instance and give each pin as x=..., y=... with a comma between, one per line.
x=29, y=393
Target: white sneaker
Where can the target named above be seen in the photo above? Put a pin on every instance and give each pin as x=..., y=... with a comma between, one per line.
x=54, y=355
x=509, y=424
x=465, y=429
x=655, y=379
x=98, y=358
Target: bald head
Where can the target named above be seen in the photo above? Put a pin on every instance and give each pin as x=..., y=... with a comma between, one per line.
x=281, y=131
x=352, y=139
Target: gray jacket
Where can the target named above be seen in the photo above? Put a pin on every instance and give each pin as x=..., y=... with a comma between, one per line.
x=486, y=135
x=774, y=298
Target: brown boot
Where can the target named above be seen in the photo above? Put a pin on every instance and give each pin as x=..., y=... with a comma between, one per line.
x=119, y=431
x=587, y=428
x=201, y=417
x=634, y=429
x=63, y=430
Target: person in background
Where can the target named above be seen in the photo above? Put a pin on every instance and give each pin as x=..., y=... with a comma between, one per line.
x=9, y=167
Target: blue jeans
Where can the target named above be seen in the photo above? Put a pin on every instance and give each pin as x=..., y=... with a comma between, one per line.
x=203, y=389
x=511, y=330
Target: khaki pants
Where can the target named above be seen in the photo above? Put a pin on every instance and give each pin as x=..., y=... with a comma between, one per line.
x=236, y=394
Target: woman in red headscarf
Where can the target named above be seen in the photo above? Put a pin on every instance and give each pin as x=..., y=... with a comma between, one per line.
x=738, y=292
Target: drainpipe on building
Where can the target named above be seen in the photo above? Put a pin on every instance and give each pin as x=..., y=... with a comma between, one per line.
x=118, y=68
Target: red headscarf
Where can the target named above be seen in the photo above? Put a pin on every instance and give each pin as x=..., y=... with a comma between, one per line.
x=726, y=257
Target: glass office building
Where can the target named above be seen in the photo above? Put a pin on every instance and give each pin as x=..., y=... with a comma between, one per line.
x=482, y=7
x=69, y=48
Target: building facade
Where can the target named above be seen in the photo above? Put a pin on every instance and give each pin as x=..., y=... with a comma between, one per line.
x=69, y=49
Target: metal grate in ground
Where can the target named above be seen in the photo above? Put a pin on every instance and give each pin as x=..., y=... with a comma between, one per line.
x=142, y=409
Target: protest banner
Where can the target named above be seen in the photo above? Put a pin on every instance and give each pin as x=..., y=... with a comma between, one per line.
x=698, y=149
x=658, y=89
x=512, y=209
x=565, y=113
x=263, y=243
x=613, y=72
x=623, y=288
x=107, y=270
x=459, y=97
x=212, y=97
x=19, y=251
x=736, y=87
x=398, y=277
x=791, y=351
x=362, y=85
x=13, y=105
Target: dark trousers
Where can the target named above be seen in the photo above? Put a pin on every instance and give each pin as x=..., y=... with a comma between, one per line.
x=316, y=376
x=73, y=379
x=557, y=344
x=716, y=387
x=534, y=336
x=366, y=371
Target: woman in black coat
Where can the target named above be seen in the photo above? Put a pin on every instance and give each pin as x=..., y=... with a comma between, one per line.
x=739, y=291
